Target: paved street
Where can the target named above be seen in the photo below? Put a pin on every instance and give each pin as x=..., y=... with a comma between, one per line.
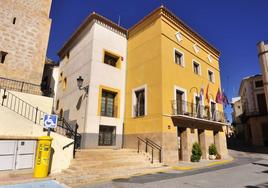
x=248, y=170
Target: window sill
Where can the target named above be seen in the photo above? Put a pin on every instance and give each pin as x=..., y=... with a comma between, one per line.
x=116, y=67
x=180, y=65
x=138, y=117
x=108, y=116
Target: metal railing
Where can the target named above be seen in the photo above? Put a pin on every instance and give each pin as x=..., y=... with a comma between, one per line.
x=252, y=112
x=149, y=143
x=22, y=108
x=20, y=86
x=65, y=129
x=35, y=115
x=197, y=111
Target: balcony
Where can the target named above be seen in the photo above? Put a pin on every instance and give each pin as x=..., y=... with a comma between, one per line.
x=184, y=108
x=253, y=112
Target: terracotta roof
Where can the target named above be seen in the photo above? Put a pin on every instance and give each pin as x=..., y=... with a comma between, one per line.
x=164, y=11
x=86, y=22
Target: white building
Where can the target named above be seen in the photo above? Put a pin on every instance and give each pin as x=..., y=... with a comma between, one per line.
x=96, y=52
x=254, y=116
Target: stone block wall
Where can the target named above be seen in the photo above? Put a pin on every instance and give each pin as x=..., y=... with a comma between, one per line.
x=24, y=32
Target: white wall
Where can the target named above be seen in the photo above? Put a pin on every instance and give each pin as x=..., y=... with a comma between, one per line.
x=43, y=103
x=249, y=93
x=106, y=75
x=86, y=60
x=77, y=65
x=16, y=126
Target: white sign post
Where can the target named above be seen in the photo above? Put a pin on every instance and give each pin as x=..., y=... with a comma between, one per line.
x=50, y=122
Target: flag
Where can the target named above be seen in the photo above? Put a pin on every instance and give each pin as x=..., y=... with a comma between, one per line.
x=207, y=95
x=219, y=97
x=224, y=99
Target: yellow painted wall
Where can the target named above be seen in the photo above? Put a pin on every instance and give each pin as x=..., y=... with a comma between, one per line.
x=151, y=62
x=184, y=77
x=144, y=67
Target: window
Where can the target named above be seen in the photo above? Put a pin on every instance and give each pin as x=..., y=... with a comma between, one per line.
x=140, y=104
x=3, y=56
x=179, y=58
x=57, y=104
x=68, y=54
x=64, y=83
x=261, y=104
x=259, y=84
x=196, y=68
x=111, y=59
x=210, y=76
x=107, y=103
x=197, y=106
x=61, y=77
x=14, y=20
x=107, y=135
x=213, y=110
x=180, y=103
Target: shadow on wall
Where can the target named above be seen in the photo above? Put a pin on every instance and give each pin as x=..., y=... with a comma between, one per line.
x=79, y=102
x=66, y=115
x=51, y=159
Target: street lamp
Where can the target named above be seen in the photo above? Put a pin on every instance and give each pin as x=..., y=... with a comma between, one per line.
x=80, y=81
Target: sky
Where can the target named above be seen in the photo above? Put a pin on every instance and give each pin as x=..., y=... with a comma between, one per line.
x=234, y=27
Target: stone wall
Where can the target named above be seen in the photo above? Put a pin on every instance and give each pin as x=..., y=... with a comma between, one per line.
x=24, y=33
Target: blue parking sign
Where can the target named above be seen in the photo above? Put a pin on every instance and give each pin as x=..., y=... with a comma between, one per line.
x=50, y=121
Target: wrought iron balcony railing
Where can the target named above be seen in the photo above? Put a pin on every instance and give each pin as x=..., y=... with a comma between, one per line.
x=252, y=112
x=197, y=111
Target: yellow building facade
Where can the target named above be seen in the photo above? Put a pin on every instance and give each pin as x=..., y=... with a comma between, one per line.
x=168, y=64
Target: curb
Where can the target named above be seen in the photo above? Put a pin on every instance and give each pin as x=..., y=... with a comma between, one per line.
x=185, y=168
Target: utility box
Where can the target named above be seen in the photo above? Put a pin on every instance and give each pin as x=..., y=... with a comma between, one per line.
x=17, y=154
x=42, y=160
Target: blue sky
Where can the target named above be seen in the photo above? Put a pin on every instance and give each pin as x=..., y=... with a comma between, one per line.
x=233, y=26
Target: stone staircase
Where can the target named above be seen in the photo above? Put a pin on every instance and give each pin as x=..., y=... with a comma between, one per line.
x=105, y=164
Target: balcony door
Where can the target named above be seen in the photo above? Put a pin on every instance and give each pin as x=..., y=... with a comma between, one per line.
x=213, y=110
x=179, y=101
x=261, y=103
x=197, y=107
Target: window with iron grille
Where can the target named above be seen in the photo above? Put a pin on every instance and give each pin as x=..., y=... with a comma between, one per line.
x=107, y=103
